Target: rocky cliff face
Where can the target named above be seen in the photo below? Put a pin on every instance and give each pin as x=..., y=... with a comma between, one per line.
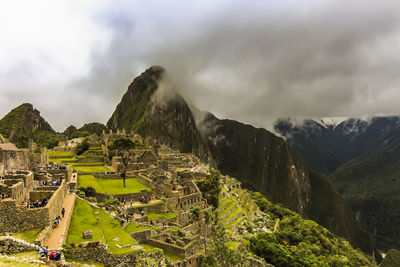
x=258, y=158
x=24, y=123
x=160, y=114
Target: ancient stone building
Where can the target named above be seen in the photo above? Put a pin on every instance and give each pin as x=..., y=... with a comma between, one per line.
x=12, y=158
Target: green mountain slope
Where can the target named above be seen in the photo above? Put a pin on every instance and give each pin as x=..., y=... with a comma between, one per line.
x=24, y=123
x=362, y=159
x=260, y=160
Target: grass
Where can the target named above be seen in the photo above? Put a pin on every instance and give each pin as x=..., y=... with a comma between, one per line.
x=99, y=168
x=112, y=186
x=149, y=248
x=106, y=229
x=90, y=180
x=27, y=254
x=172, y=257
x=29, y=235
x=63, y=160
x=161, y=215
x=17, y=263
x=80, y=263
x=65, y=154
x=134, y=227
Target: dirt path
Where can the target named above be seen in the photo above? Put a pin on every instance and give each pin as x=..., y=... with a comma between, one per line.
x=58, y=235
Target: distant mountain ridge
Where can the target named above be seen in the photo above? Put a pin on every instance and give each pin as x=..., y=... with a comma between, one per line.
x=258, y=158
x=362, y=158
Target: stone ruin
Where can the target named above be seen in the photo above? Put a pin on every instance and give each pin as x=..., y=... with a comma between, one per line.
x=12, y=158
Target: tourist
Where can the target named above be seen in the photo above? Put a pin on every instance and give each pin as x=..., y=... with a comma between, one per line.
x=142, y=213
x=63, y=212
x=51, y=256
x=46, y=251
x=57, y=256
x=131, y=202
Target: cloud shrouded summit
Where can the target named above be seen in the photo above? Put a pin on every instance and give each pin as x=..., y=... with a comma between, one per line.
x=251, y=61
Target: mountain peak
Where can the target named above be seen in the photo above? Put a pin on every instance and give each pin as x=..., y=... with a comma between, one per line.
x=22, y=123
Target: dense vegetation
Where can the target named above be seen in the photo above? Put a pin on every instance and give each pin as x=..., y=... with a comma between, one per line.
x=392, y=259
x=90, y=128
x=82, y=147
x=298, y=242
x=24, y=123
x=211, y=188
x=362, y=159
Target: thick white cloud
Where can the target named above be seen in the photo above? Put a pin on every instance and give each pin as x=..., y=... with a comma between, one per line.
x=253, y=61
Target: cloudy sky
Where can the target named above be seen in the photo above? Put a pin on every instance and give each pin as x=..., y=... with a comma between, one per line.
x=253, y=61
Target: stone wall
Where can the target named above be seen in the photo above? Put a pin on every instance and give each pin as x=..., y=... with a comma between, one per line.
x=15, y=218
x=11, y=245
x=40, y=195
x=11, y=160
x=136, y=196
x=106, y=176
x=158, y=207
x=145, y=180
x=91, y=160
x=99, y=254
x=192, y=200
x=39, y=158
x=141, y=236
x=55, y=203
x=167, y=247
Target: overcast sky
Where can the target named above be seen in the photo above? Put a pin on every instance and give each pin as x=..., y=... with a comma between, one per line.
x=253, y=61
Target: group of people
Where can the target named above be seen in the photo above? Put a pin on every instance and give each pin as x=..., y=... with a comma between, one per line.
x=57, y=220
x=144, y=200
x=44, y=252
x=36, y=204
x=50, y=183
x=56, y=167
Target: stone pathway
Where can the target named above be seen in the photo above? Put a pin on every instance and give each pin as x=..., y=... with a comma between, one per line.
x=57, y=237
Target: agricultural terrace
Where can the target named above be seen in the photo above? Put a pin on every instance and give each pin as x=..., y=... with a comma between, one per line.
x=112, y=186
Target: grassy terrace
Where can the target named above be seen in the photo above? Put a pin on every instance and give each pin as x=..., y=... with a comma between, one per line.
x=106, y=229
x=161, y=215
x=63, y=160
x=99, y=168
x=29, y=235
x=112, y=186
x=65, y=154
x=135, y=227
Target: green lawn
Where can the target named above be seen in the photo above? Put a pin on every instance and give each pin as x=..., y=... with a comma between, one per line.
x=161, y=215
x=90, y=180
x=59, y=154
x=99, y=168
x=29, y=235
x=17, y=263
x=134, y=227
x=106, y=229
x=172, y=257
x=112, y=186
x=58, y=161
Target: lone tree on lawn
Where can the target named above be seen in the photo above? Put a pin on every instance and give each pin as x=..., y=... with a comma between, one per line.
x=122, y=147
